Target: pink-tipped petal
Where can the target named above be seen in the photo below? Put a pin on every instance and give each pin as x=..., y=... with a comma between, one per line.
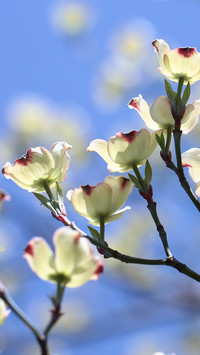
x=191, y=159
x=141, y=106
x=40, y=258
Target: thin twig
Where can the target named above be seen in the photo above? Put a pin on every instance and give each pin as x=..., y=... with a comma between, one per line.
x=111, y=253
x=41, y=338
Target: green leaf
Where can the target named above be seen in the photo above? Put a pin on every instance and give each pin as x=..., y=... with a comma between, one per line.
x=44, y=201
x=186, y=95
x=161, y=141
x=95, y=233
x=170, y=92
x=41, y=198
x=135, y=181
x=148, y=173
x=59, y=195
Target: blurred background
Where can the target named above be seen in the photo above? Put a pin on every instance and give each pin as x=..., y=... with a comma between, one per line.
x=67, y=71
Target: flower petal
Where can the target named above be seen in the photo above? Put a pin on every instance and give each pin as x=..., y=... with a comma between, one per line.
x=92, y=201
x=66, y=241
x=153, y=143
x=183, y=62
x=117, y=215
x=100, y=146
x=129, y=148
x=61, y=160
x=179, y=62
x=90, y=271
x=161, y=112
x=190, y=117
x=161, y=47
x=121, y=188
x=40, y=258
x=4, y=312
x=141, y=106
x=3, y=197
x=31, y=170
x=197, y=189
x=74, y=256
x=191, y=159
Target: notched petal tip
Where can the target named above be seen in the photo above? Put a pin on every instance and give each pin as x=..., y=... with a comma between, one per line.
x=29, y=250
x=5, y=169
x=134, y=103
x=25, y=159
x=91, y=146
x=60, y=146
x=159, y=45
x=155, y=44
x=129, y=137
x=87, y=189
x=187, y=51
x=124, y=182
x=4, y=196
x=186, y=165
x=77, y=237
x=99, y=270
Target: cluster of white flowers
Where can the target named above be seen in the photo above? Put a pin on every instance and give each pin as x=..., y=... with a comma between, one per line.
x=39, y=170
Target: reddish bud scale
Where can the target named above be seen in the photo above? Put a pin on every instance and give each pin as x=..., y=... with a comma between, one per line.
x=101, y=251
x=147, y=195
x=186, y=52
x=178, y=115
x=166, y=158
x=56, y=311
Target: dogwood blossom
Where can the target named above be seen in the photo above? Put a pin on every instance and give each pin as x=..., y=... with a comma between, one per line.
x=73, y=263
x=39, y=166
x=178, y=63
x=103, y=200
x=159, y=115
x=125, y=149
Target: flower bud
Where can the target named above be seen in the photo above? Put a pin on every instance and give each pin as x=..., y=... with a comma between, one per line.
x=73, y=263
x=39, y=166
x=124, y=150
x=102, y=200
x=178, y=63
x=159, y=116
